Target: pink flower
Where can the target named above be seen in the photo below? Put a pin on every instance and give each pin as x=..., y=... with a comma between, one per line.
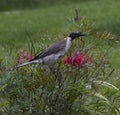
x=24, y=56
x=78, y=59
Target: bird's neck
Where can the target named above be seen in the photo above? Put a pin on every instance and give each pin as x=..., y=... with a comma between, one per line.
x=68, y=43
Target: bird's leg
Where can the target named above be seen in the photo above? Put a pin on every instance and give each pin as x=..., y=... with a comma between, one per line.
x=57, y=74
x=59, y=77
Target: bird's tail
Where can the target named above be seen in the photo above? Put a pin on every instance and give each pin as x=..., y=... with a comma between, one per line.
x=30, y=62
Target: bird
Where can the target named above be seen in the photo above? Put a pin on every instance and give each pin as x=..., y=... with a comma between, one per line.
x=54, y=52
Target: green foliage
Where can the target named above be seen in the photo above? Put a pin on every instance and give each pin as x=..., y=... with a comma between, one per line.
x=64, y=89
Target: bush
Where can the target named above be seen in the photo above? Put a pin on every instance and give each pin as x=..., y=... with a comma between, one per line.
x=78, y=87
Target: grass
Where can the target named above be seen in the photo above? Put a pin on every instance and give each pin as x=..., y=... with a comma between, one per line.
x=48, y=24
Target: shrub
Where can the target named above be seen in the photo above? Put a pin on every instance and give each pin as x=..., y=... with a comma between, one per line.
x=80, y=87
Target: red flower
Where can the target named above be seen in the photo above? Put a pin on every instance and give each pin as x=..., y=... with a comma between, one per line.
x=68, y=60
x=24, y=56
x=78, y=59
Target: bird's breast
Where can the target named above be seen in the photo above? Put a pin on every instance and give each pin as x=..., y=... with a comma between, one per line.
x=51, y=59
x=68, y=43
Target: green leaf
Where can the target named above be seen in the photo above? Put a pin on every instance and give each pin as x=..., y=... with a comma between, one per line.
x=1, y=88
x=101, y=96
x=104, y=83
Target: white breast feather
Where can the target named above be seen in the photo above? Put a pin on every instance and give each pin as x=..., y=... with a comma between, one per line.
x=68, y=44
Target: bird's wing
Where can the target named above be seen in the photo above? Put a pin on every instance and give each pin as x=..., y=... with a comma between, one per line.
x=51, y=50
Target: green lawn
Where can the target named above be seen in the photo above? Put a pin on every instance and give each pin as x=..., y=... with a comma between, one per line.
x=48, y=24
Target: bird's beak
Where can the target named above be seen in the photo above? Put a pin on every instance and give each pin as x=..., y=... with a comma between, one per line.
x=82, y=34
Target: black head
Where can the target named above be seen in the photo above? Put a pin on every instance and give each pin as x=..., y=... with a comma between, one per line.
x=74, y=35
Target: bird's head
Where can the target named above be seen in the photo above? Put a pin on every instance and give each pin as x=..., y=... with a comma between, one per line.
x=74, y=35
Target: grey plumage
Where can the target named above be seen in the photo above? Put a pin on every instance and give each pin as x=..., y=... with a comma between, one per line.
x=55, y=48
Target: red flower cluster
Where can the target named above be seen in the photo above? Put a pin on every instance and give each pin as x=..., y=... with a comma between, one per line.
x=78, y=59
x=23, y=57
